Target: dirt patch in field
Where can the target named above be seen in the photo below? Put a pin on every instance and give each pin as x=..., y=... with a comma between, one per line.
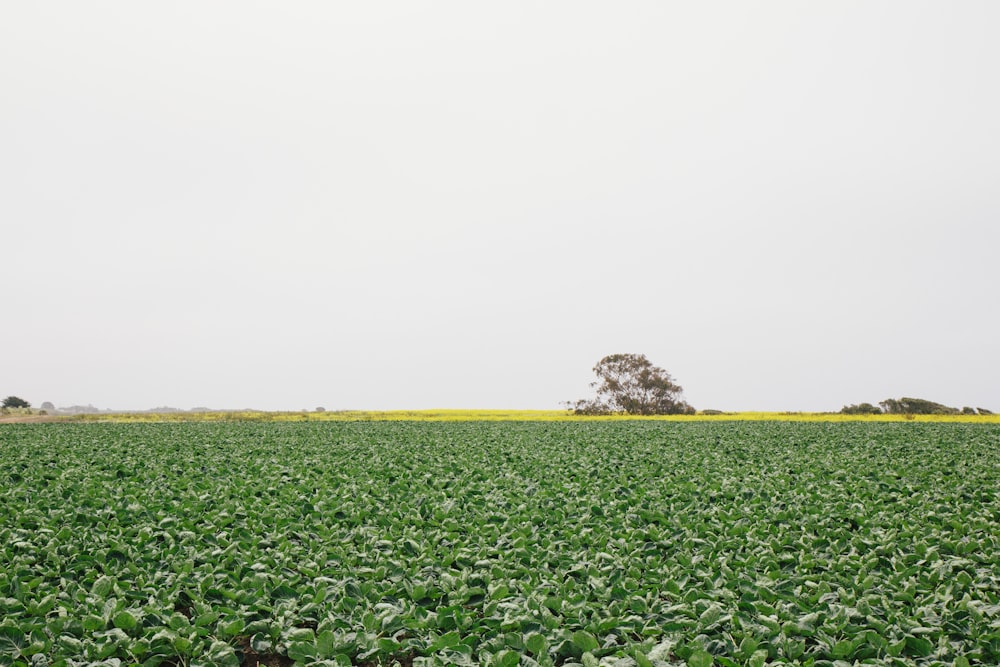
x=253, y=659
x=403, y=660
x=29, y=419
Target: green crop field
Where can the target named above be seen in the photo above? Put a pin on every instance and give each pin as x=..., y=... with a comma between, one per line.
x=626, y=544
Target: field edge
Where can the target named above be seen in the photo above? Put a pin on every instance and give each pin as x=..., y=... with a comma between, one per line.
x=450, y=415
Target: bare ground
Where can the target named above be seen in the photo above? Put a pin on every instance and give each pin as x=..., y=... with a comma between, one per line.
x=29, y=419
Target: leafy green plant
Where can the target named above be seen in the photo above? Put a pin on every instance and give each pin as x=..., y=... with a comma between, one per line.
x=652, y=544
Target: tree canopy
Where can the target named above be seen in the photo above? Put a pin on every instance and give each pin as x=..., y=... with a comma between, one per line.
x=631, y=384
x=909, y=406
x=861, y=409
x=15, y=402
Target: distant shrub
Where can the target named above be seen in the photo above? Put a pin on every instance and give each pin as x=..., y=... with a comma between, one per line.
x=861, y=409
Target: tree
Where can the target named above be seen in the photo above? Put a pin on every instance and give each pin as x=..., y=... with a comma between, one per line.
x=915, y=406
x=630, y=384
x=15, y=402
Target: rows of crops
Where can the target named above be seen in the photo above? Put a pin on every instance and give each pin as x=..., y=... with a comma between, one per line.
x=630, y=544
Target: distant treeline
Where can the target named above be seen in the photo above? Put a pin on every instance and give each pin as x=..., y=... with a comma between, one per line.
x=909, y=406
x=91, y=410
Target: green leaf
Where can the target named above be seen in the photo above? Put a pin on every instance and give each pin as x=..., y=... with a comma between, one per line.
x=794, y=648
x=44, y=606
x=662, y=651
x=92, y=623
x=710, y=616
x=206, y=619
x=919, y=646
x=182, y=644
x=178, y=621
x=747, y=647
x=301, y=635
x=700, y=658
x=326, y=644
x=232, y=627
x=12, y=641
x=536, y=643
x=102, y=587
x=69, y=644
x=843, y=649
x=585, y=641
x=302, y=651
x=896, y=648
x=387, y=646
x=219, y=654
x=506, y=658
x=284, y=592
x=126, y=621
x=446, y=640
x=139, y=648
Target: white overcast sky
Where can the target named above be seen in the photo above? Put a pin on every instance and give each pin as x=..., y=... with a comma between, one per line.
x=377, y=205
